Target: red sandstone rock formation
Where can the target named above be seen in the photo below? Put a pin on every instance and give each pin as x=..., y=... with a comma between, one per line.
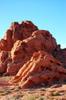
x=23, y=50
x=13, y=34
x=41, y=69
x=17, y=32
x=39, y=40
x=17, y=51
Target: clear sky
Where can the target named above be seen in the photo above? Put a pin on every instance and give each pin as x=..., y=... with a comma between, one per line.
x=46, y=14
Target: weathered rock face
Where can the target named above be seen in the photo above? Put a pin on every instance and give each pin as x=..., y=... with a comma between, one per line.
x=23, y=50
x=23, y=30
x=41, y=69
x=17, y=32
x=39, y=40
x=42, y=39
x=61, y=55
x=3, y=61
x=33, y=51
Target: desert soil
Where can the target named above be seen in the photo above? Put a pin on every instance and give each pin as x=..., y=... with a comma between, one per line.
x=55, y=92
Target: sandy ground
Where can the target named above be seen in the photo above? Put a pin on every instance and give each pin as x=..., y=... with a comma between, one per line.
x=55, y=92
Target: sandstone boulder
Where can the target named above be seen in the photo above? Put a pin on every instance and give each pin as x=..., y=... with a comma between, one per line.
x=41, y=69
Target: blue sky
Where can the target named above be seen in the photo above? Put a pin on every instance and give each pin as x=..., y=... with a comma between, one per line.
x=46, y=14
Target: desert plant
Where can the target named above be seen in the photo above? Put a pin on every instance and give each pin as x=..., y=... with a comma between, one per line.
x=55, y=94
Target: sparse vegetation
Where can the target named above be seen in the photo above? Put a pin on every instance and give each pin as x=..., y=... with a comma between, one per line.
x=55, y=93
x=41, y=98
x=30, y=97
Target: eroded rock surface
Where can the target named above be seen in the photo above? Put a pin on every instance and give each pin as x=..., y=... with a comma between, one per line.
x=25, y=48
x=41, y=69
x=17, y=32
x=61, y=55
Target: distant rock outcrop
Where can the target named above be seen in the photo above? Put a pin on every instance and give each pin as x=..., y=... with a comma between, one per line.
x=32, y=54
